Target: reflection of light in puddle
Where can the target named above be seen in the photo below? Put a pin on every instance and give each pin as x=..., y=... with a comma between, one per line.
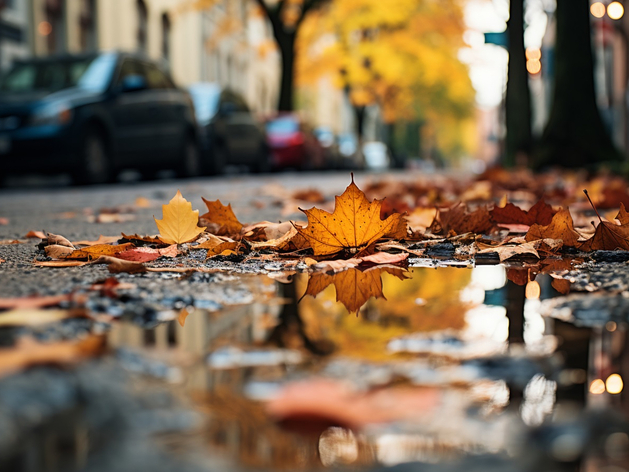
x=337, y=446
x=534, y=323
x=489, y=277
x=539, y=400
x=488, y=322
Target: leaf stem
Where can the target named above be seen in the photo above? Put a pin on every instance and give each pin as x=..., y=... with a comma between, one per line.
x=592, y=203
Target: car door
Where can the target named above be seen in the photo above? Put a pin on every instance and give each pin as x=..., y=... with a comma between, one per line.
x=131, y=115
x=165, y=111
x=241, y=133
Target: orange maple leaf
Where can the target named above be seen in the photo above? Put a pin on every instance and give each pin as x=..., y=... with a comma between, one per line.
x=560, y=227
x=354, y=225
x=179, y=223
x=221, y=219
x=608, y=236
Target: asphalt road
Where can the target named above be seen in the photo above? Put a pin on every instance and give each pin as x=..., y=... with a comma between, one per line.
x=71, y=212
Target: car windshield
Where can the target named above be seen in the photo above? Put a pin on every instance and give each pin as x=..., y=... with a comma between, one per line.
x=205, y=98
x=285, y=125
x=93, y=73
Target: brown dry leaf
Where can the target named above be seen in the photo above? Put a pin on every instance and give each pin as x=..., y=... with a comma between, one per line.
x=179, y=222
x=561, y=227
x=91, y=252
x=139, y=254
x=28, y=352
x=541, y=213
x=101, y=240
x=354, y=224
x=35, y=234
x=385, y=258
x=62, y=263
x=57, y=239
x=106, y=218
x=143, y=239
x=518, y=276
x=58, y=252
x=420, y=219
x=623, y=215
x=507, y=251
x=309, y=195
x=458, y=220
x=5, y=242
x=290, y=241
x=117, y=266
x=223, y=217
x=33, y=302
x=607, y=237
x=211, y=241
x=183, y=314
x=32, y=316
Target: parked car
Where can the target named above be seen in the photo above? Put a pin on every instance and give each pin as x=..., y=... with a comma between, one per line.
x=230, y=132
x=93, y=115
x=293, y=144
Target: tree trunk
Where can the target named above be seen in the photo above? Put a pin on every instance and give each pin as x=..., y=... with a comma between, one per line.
x=359, y=121
x=518, y=96
x=574, y=135
x=286, y=42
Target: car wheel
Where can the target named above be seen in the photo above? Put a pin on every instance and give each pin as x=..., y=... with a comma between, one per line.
x=191, y=159
x=95, y=166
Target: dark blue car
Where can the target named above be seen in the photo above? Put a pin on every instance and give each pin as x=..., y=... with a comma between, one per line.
x=92, y=115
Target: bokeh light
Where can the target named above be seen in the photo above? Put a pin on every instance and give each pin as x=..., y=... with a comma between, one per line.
x=533, y=54
x=44, y=28
x=614, y=384
x=597, y=10
x=532, y=289
x=615, y=10
x=597, y=387
x=533, y=66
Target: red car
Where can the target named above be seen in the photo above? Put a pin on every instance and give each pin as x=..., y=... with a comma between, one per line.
x=292, y=144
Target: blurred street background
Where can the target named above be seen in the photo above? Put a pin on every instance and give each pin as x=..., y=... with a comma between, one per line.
x=94, y=88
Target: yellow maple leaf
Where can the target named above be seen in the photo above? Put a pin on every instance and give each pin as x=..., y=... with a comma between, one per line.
x=354, y=225
x=179, y=223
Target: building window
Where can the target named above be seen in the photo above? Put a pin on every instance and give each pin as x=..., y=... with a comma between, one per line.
x=166, y=36
x=53, y=28
x=87, y=24
x=143, y=16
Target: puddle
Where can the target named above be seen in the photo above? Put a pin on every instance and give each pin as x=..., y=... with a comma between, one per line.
x=481, y=367
x=385, y=366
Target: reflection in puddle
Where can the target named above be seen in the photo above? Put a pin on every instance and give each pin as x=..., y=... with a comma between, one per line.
x=383, y=366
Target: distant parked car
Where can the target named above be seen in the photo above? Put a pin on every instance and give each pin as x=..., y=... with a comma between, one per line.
x=293, y=144
x=93, y=115
x=376, y=155
x=230, y=132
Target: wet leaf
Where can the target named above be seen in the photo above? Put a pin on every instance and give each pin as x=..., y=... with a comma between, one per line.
x=222, y=217
x=560, y=227
x=354, y=224
x=179, y=222
x=541, y=213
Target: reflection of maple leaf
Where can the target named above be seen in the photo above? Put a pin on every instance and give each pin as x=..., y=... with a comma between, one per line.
x=560, y=227
x=354, y=225
x=541, y=213
x=222, y=217
x=179, y=223
x=353, y=286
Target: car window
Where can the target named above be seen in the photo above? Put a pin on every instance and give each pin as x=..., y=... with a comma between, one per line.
x=129, y=67
x=155, y=78
x=48, y=75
